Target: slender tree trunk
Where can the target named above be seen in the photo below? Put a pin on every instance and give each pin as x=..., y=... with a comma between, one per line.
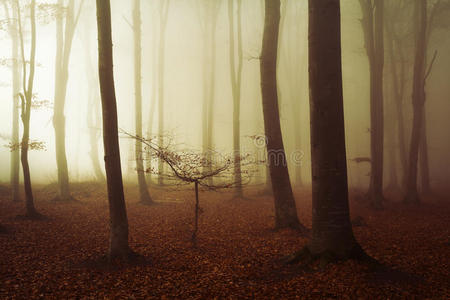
x=398, y=79
x=26, y=99
x=236, y=89
x=93, y=117
x=64, y=39
x=332, y=233
x=285, y=208
x=373, y=15
x=143, y=189
x=118, y=247
x=161, y=70
x=16, y=82
x=154, y=94
x=418, y=100
x=423, y=158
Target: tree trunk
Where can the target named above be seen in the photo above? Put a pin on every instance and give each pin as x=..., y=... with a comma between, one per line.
x=236, y=90
x=164, y=11
x=16, y=82
x=143, y=189
x=331, y=228
x=27, y=98
x=398, y=83
x=93, y=117
x=118, y=215
x=64, y=38
x=423, y=158
x=418, y=100
x=373, y=15
x=285, y=208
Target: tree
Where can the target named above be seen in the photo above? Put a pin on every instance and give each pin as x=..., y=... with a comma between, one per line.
x=26, y=98
x=143, y=189
x=285, y=208
x=16, y=83
x=236, y=84
x=64, y=37
x=332, y=235
x=208, y=14
x=163, y=15
x=418, y=99
x=188, y=167
x=372, y=22
x=93, y=118
x=118, y=241
x=398, y=68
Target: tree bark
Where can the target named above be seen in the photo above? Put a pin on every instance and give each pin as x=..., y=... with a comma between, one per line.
x=236, y=83
x=418, y=100
x=118, y=247
x=285, y=208
x=331, y=228
x=26, y=99
x=16, y=82
x=423, y=158
x=64, y=39
x=373, y=15
x=143, y=189
x=398, y=86
x=164, y=11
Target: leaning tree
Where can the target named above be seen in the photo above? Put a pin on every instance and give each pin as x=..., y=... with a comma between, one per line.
x=285, y=208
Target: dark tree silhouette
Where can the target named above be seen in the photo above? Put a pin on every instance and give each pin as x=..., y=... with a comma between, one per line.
x=285, y=208
x=26, y=103
x=118, y=246
x=373, y=18
x=332, y=235
x=418, y=99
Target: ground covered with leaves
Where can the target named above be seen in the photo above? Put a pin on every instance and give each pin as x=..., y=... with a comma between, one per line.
x=239, y=255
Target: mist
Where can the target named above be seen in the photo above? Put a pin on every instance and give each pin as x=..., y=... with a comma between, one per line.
x=201, y=87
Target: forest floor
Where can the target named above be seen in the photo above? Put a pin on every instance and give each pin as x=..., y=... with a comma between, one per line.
x=239, y=255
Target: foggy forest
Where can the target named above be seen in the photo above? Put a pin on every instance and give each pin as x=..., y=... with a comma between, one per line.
x=224, y=149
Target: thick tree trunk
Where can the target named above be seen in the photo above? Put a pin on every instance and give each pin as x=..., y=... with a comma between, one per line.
x=143, y=189
x=27, y=98
x=331, y=228
x=236, y=89
x=285, y=208
x=118, y=247
x=64, y=39
x=418, y=100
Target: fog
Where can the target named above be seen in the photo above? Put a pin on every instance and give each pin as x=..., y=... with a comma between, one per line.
x=184, y=81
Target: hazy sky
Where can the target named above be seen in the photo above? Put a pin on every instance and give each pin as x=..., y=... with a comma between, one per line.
x=184, y=85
